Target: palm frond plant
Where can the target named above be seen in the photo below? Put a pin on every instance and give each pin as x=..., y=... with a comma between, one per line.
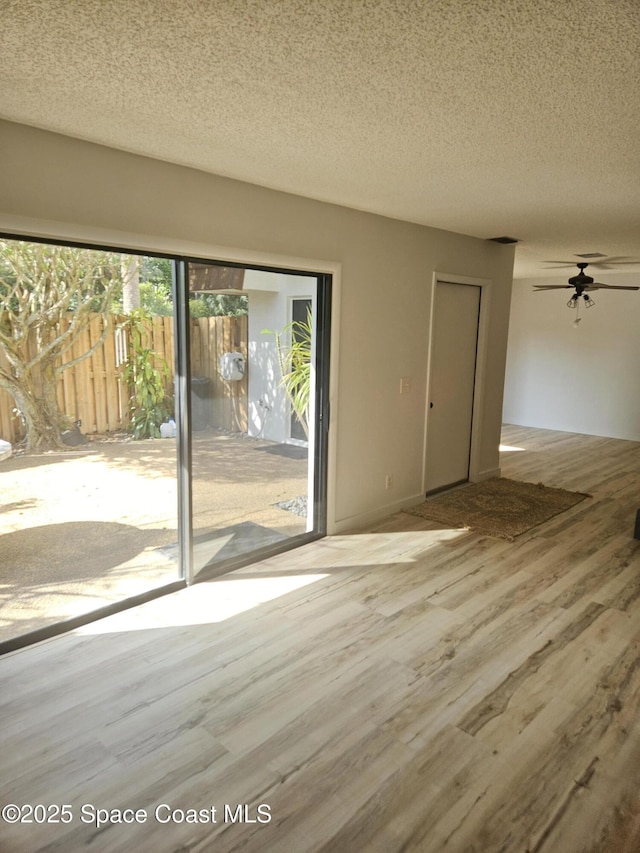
x=294, y=350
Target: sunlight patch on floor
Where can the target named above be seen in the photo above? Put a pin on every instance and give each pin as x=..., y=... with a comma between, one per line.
x=506, y=448
x=247, y=588
x=202, y=604
x=379, y=548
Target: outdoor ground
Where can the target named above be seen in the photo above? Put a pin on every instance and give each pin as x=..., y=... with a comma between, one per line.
x=83, y=528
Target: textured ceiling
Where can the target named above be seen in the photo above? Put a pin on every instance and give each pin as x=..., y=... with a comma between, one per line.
x=484, y=117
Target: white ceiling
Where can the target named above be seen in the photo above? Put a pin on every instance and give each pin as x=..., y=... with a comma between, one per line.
x=484, y=117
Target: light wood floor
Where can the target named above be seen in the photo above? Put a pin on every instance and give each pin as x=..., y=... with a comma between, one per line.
x=408, y=688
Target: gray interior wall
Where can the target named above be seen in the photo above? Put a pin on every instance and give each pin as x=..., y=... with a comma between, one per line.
x=56, y=186
x=582, y=379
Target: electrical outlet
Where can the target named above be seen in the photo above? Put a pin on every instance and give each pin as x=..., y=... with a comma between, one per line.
x=405, y=384
x=388, y=481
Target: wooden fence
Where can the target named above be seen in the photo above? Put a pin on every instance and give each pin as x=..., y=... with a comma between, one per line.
x=211, y=337
x=94, y=391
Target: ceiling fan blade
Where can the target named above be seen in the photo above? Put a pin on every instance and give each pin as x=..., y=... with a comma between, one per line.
x=614, y=261
x=596, y=263
x=611, y=265
x=598, y=285
x=551, y=286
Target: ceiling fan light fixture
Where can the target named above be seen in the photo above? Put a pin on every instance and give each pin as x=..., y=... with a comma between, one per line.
x=582, y=283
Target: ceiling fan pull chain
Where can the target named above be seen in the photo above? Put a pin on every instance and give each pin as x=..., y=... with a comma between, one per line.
x=578, y=318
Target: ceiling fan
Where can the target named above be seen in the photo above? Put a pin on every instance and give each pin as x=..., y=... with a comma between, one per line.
x=583, y=284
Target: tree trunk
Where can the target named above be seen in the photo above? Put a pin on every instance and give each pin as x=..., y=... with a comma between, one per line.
x=131, y=283
x=42, y=433
x=48, y=296
x=38, y=405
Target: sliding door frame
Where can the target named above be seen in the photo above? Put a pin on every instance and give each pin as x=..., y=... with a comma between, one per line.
x=324, y=296
x=319, y=460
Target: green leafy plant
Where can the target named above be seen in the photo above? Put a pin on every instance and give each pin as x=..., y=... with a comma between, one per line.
x=294, y=349
x=218, y=305
x=145, y=374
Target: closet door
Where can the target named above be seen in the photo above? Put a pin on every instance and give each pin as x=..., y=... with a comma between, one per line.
x=451, y=384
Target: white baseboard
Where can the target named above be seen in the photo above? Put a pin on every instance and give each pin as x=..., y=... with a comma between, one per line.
x=486, y=475
x=366, y=519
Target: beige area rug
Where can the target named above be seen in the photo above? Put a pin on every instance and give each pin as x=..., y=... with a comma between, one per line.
x=497, y=507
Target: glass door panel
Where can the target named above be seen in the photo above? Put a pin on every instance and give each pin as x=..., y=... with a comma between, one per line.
x=89, y=496
x=253, y=367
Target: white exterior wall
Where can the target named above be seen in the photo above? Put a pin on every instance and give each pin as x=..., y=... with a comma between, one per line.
x=270, y=296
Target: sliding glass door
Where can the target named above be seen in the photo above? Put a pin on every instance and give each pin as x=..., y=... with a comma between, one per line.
x=161, y=420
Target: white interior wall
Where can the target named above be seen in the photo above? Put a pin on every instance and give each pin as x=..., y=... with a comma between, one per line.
x=581, y=379
x=56, y=186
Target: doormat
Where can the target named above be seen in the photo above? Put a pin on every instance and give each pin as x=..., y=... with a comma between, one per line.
x=497, y=507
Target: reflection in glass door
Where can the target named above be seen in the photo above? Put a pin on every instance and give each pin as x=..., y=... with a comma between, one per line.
x=257, y=485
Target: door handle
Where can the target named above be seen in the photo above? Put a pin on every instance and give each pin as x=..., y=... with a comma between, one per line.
x=431, y=405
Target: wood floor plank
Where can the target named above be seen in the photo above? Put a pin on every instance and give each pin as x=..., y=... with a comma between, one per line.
x=404, y=689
